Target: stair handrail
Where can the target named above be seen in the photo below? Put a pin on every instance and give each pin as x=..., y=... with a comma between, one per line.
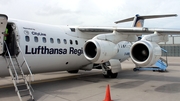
x=165, y=51
x=11, y=60
x=26, y=62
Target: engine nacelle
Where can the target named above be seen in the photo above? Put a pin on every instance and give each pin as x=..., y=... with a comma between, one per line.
x=99, y=51
x=145, y=53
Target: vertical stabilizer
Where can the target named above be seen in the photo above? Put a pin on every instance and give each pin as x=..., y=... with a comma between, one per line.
x=138, y=21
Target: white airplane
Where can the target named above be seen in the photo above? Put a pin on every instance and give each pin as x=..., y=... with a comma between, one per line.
x=36, y=48
x=47, y=48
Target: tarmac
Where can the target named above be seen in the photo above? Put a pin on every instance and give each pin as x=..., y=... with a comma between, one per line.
x=91, y=85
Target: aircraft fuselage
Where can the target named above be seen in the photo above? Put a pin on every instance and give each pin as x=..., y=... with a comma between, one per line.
x=50, y=48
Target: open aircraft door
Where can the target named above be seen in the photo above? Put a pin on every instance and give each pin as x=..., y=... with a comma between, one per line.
x=3, y=23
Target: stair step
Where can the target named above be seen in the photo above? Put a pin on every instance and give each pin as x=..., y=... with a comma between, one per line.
x=21, y=84
x=18, y=74
x=12, y=57
x=25, y=95
x=15, y=66
x=19, y=78
x=17, y=69
x=23, y=90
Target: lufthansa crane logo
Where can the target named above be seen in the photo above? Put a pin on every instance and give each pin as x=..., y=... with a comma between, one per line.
x=26, y=32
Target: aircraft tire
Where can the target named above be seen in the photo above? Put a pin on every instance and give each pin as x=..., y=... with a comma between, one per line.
x=106, y=76
x=135, y=69
x=110, y=74
x=73, y=71
x=114, y=75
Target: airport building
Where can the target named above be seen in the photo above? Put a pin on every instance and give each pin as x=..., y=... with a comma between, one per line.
x=172, y=46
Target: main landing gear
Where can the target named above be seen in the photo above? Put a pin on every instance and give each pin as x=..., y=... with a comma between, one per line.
x=110, y=74
x=107, y=72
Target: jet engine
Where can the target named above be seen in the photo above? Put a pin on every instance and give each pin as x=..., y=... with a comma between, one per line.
x=99, y=51
x=145, y=53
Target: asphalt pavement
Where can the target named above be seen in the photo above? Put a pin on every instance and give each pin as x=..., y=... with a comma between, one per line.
x=91, y=85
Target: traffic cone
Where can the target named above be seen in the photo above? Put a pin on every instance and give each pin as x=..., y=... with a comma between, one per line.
x=108, y=95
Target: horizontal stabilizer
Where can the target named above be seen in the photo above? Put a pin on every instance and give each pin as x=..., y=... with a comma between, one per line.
x=145, y=17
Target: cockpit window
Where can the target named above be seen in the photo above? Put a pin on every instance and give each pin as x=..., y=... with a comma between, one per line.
x=72, y=29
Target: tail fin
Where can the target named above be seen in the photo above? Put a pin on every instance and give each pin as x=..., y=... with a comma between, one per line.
x=138, y=21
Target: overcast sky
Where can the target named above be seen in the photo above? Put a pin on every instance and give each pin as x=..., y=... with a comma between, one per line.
x=91, y=12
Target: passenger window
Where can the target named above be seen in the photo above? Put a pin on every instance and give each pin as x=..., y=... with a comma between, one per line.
x=71, y=42
x=44, y=39
x=58, y=41
x=27, y=38
x=65, y=41
x=51, y=40
x=36, y=39
x=76, y=42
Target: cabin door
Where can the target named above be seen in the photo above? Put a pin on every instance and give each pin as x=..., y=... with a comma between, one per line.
x=3, y=24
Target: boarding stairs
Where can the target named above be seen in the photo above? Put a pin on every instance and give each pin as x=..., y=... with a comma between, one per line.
x=22, y=85
x=160, y=65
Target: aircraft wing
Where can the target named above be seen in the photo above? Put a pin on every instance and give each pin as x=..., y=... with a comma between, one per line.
x=126, y=31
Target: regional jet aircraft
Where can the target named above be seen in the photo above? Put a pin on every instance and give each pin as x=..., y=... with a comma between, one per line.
x=36, y=48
